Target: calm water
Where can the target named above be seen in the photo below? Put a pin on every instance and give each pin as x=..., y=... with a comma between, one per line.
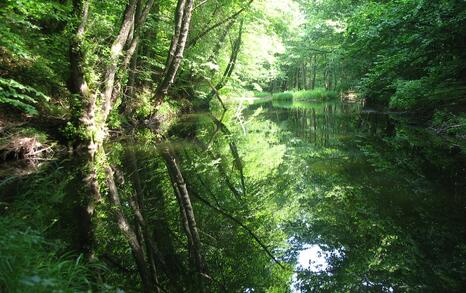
x=344, y=199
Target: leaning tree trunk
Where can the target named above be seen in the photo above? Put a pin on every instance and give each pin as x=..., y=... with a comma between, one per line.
x=115, y=53
x=231, y=64
x=232, y=17
x=128, y=232
x=218, y=46
x=187, y=212
x=183, y=16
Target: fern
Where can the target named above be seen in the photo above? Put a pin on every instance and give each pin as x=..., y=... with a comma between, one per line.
x=20, y=96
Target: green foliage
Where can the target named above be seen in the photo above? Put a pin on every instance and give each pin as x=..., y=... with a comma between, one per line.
x=408, y=52
x=20, y=96
x=409, y=94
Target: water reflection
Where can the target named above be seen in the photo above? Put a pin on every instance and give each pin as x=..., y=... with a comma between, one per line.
x=241, y=201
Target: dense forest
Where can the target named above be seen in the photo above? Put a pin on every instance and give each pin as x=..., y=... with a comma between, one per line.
x=210, y=145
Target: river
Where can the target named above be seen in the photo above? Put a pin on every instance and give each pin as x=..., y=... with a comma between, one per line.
x=291, y=196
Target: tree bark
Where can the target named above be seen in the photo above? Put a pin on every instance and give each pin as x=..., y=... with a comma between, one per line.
x=314, y=72
x=179, y=185
x=78, y=84
x=115, y=54
x=221, y=41
x=129, y=233
x=303, y=69
x=231, y=64
x=182, y=23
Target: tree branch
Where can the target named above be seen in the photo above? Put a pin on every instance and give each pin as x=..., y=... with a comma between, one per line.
x=193, y=41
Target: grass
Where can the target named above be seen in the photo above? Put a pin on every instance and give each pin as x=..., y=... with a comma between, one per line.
x=262, y=94
x=35, y=242
x=29, y=263
x=315, y=94
x=283, y=96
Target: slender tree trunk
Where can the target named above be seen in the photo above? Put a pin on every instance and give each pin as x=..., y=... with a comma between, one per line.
x=110, y=91
x=130, y=59
x=231, y=64
x=314, y=72
x=115, y=53
x=296, y=78
x=304, y=67
x=221, y=41
x=78, y=86
x=184, y=198
x=182, y=23
x=78, y=83
x=330, y=79
x=230, y=18
x=129, y=233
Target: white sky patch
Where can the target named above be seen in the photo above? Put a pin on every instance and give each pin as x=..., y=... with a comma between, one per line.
x=313, y=258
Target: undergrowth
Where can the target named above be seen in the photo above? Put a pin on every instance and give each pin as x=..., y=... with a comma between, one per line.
x=30, y=263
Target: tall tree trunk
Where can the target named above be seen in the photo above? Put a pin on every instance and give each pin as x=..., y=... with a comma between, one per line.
x=303, y=70
x=115, y=54
x=221, y=41
x=231, y=64
x=296, y=78
x=129, y=233
x=78, y=86
x=330, y=79
x=314, y=72
x=183, y=16
x=130, y=59
x=179, y=185
x=78, y=83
